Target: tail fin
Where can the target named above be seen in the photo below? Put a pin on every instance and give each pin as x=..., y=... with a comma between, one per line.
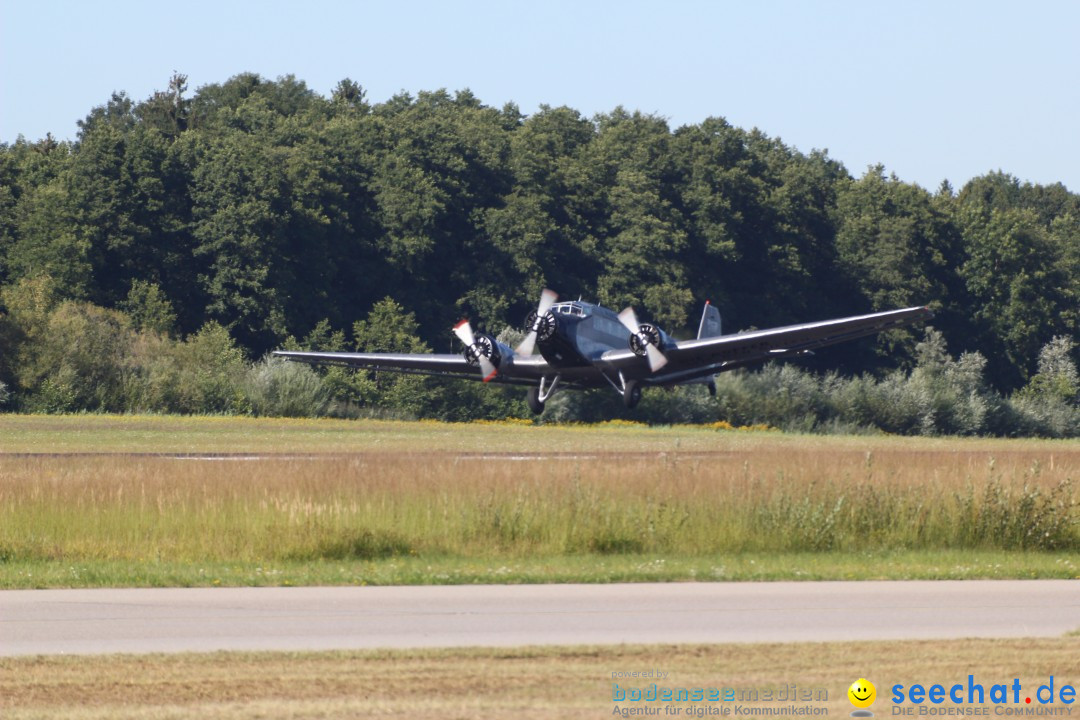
x=710, y=322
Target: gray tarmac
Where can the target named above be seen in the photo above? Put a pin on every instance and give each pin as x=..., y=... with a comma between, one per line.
x=329, y=618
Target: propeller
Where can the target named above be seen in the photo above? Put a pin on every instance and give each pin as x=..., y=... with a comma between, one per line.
x=644, y=339
x=547, y=299
x=464, y=332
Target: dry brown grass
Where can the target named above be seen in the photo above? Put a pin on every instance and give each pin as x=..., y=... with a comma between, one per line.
x=544, y=492
x=480, y=683
x=757, y=496
x=374, y=505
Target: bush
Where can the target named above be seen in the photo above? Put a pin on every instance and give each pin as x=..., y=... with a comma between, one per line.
x=202, y=374
x=77, y=363
x=1050, y=404
x=276, y=387
x=211, y=367
x=941, y=396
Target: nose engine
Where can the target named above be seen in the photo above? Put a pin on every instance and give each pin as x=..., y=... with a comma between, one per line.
x=540, y=320
x=543, y=325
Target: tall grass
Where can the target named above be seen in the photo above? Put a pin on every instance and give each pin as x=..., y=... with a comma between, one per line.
x=360, y=507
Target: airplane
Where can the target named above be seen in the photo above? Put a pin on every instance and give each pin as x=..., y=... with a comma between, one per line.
x=583, y=345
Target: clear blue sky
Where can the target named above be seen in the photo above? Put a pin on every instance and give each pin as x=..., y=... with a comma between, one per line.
x=931, y=90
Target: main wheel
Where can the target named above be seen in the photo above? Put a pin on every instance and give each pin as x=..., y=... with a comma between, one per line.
x=534, y=401
x=631, y=394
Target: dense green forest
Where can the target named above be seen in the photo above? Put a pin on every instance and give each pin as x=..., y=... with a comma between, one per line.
x=151, y=263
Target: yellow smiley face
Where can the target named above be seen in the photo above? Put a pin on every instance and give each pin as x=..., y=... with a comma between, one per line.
x=862, y=693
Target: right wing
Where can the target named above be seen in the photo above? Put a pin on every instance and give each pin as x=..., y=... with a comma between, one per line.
x=691, y=359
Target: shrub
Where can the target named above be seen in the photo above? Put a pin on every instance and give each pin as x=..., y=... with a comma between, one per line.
x=77, y=363
x=276, y=387
x=210, y=369
x=1050, y=403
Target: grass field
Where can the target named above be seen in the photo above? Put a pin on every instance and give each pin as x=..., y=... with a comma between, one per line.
x=507, y=683
x=100, y=500
x=145, y=501
x=210, y=434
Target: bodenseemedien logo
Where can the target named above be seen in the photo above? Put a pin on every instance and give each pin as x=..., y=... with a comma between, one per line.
x=782, y=700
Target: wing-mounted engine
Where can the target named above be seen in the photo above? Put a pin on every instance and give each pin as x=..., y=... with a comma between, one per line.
x=481, y=350
x=647, y=334
x=646, y=340
x=485, y=346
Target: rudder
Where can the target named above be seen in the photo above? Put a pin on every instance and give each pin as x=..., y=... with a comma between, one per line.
x=710, y=322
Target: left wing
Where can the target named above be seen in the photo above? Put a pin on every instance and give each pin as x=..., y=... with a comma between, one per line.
x=427, y=362
x=514, y=370
x=690, y=359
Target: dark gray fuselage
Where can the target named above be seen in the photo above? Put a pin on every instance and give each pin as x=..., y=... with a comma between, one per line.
x=583, y=332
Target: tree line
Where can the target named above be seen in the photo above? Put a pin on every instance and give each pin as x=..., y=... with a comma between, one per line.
x=256, y=213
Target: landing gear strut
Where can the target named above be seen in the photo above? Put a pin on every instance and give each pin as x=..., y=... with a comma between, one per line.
x=539, y=395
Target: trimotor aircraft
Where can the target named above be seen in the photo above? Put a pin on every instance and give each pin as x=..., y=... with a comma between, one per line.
x=583, y=345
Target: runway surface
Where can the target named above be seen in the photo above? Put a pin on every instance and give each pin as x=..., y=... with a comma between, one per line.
x=325, y=618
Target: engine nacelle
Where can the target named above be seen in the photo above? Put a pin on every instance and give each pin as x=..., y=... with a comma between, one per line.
x=647, y=333
x=487, y=347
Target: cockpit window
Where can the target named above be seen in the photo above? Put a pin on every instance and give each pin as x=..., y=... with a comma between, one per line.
x=569, y=309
